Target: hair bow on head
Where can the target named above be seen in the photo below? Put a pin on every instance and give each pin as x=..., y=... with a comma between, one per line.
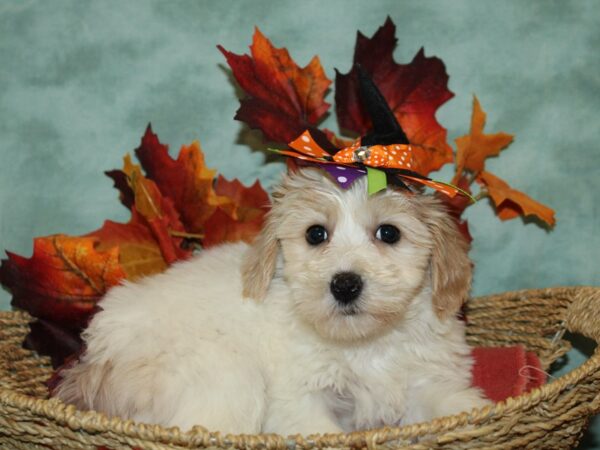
x=384, y=155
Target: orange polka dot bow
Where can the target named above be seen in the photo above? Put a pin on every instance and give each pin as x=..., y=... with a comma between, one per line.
x=396, y=161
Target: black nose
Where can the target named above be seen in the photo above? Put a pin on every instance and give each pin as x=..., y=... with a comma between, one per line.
x=346, y=287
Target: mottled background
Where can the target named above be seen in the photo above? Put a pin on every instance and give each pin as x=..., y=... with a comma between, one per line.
x=79, y=81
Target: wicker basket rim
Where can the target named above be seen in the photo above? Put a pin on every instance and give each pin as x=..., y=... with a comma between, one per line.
x=92, y=421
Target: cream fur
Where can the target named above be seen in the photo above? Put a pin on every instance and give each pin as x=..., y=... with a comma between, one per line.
x=186, y=348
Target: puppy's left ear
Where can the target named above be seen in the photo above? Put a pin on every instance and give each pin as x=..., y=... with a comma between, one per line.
x=258, y=265
x=450, y=266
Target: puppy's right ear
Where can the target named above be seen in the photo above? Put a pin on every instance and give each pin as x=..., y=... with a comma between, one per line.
x=258, y=265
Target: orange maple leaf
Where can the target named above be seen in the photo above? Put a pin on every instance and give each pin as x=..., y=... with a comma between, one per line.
x=511, y=203
x=139, y=252
x=283, y=98
x=475, y=147
x=64, y=278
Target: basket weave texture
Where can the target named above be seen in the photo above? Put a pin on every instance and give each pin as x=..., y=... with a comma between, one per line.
x=551, y=417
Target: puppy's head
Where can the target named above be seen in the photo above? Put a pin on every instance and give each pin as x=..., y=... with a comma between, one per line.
x=354, y=262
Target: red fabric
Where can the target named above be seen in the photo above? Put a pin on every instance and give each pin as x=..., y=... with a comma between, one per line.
x=503, y=372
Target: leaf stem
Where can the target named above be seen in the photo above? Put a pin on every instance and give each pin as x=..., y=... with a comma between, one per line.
x=183, y=234
x=481, y=195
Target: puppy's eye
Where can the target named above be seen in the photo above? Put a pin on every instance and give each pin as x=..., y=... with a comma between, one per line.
x=316, y=234
x=388, y=234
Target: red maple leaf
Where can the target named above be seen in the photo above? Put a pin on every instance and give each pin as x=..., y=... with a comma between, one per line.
x=283, y=99
x=249, y=202
x=158, y=212
x=413, y=91
x=240, y=220
x=186, y=181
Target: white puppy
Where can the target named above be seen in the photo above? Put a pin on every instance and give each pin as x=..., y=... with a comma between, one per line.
x=351, y=324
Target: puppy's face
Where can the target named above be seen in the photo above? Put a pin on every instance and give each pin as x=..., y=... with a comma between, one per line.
x=354, y=262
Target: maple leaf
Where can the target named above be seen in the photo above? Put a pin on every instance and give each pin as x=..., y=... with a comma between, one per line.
x=57, y=341
x=66, y=276
x=283, y=99
x=244, y=220
x=158, y=212
x=249, y=203
x=413, y=91
x=187, y=182
x=336, y=141
x=120, y=183
x=511, y=203
x=63, y=280
x=139, y=253
x=475, y=147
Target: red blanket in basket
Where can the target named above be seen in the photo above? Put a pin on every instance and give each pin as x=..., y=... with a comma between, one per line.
x=503, y=372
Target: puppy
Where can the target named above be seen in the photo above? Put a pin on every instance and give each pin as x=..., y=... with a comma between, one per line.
x=340, y=316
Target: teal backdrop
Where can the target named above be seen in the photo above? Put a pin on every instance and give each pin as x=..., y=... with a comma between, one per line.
x=79, y=81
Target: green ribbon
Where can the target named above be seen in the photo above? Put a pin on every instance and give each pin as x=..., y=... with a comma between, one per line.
x=376, y=180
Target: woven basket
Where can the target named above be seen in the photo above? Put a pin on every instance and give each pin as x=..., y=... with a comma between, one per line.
x=552, y=417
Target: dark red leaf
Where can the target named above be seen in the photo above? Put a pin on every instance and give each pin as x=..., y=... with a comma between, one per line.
x=50, y=339
x=414, y=92
x=120, y=183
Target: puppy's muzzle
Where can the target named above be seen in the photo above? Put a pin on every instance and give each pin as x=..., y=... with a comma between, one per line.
x=346, y=287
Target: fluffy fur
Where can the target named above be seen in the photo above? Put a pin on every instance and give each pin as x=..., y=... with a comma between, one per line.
x=188, y=347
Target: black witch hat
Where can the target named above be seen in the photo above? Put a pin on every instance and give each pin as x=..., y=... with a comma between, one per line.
x=384, y=154
x=386, y=129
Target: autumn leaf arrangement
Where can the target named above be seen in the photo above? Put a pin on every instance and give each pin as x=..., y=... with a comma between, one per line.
x=179, y=206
